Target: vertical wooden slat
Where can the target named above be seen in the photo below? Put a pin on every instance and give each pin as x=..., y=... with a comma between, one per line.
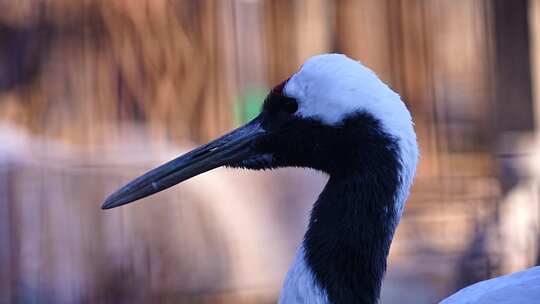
x=314, y=27
x=250, y=44
x=534, y=36
x=363, y=32
x=7, y=234
x=512, y=67
x=281, y=40
x=295, y=30
x=458, y=51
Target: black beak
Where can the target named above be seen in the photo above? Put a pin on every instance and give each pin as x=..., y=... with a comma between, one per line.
x=228, y=149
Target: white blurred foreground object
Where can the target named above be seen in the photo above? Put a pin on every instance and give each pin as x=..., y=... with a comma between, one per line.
x=518, y=287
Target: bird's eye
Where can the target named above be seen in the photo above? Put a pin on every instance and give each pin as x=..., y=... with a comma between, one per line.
x=289, y=105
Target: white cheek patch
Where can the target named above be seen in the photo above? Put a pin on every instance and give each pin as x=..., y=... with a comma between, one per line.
x=330, y=87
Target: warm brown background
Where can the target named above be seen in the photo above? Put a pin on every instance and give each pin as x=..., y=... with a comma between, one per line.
x=93, y=92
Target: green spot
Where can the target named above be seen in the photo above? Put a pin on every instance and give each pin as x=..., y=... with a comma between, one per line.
x=248, y=104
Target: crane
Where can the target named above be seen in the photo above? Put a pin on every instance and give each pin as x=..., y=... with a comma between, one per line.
x=336, y=116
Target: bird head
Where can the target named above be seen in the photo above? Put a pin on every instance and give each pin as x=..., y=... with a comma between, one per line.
x=333, y=115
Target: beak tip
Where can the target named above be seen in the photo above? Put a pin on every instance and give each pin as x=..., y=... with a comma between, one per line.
x=109, y=203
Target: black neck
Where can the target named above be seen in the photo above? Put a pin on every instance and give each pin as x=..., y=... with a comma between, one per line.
x=350, y=231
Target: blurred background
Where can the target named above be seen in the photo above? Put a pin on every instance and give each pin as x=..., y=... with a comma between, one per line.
x=94, y=92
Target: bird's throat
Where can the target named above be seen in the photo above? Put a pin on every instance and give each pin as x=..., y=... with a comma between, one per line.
x=350, y=231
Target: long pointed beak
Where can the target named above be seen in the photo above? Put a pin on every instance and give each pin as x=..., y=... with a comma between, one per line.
x=230, y=148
